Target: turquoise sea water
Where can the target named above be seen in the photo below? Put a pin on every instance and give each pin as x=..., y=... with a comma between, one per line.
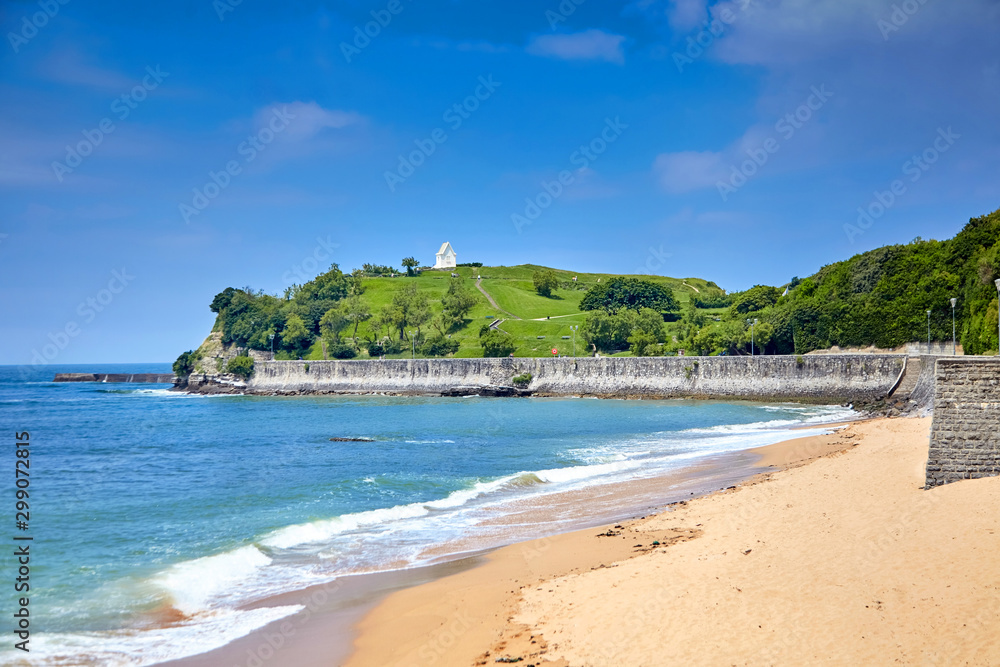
x=146, y=502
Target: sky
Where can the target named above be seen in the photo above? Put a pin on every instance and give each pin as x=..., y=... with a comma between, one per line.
x=153, y=154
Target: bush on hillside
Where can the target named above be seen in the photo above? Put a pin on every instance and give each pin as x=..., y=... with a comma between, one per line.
x=241, y=366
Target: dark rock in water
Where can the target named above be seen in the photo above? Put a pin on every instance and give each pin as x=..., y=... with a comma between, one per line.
x=352, y=439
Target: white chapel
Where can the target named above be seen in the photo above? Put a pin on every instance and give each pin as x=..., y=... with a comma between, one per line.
x=445, y=257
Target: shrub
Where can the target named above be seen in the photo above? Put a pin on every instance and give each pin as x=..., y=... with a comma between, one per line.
x=375, y=349
x=522, y=380
x=185, y=364
x=630, y=293
x=439, y=346
x=497, y=344
x=338, y=349
x=545, y=282
x=241, y=366
x=306, y=366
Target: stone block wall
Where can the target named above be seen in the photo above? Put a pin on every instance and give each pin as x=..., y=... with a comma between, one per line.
x=965, y=435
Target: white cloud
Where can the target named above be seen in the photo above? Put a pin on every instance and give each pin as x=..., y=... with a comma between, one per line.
x=587, y=45
x=70, y=67
x=684, y=171
x=307, y=119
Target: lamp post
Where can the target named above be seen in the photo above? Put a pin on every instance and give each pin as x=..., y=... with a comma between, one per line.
x=928, y=332
x=752, y=325
x=271, y=336
x=413, y=349
x=954, y=340
x=998, y=314
x=573, y=329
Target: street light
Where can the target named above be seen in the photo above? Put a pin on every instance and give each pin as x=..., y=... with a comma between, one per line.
x=413, y=350
x=954, y=342
x=928, y=332
x=998, y=315
x=573, y=329
x=752, y=325
x=271, y=336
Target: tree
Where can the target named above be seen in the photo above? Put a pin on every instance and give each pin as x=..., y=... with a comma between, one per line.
x=241, y=366
x=185, y=364
x=439, y=346
x=545, y=281
x=457, y=302
x=409, y=263
x=333, y=322
x=295, y=335
x=497, y=343
x=756, y=298
x=356, y=310
x=630, y=293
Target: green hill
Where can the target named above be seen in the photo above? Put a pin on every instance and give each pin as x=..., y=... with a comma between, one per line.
x=247, y=318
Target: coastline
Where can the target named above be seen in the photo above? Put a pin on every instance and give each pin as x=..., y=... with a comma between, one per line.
x=322, y=633
x=835, y=555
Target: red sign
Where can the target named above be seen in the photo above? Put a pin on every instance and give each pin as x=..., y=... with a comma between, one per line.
x=555, y=351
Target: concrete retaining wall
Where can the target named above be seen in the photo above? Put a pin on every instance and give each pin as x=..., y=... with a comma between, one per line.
x=965, y=436
x=834, y=378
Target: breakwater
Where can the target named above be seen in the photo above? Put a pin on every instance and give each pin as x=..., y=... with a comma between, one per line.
x=836, y=378
x=144, y=378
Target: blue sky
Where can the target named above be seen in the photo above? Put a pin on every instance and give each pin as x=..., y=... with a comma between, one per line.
x=153, y=155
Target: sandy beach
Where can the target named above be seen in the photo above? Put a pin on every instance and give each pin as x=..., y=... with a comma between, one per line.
x=835, y=555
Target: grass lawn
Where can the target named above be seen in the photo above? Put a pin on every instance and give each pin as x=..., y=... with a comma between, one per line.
x=512, y=288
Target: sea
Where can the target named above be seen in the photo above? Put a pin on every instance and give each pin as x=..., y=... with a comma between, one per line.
x=160, y=521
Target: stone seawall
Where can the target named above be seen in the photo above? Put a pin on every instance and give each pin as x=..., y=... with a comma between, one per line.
x=816, y=378
x=965, y=435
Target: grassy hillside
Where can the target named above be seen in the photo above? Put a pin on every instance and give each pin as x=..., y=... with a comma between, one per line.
x=512, y=289
x=538, y=323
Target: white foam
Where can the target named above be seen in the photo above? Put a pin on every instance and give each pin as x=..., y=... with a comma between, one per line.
x=192, y=584
x=203, y=632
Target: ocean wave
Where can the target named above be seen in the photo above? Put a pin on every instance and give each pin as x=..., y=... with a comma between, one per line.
x=191, y=585
x=203, y=632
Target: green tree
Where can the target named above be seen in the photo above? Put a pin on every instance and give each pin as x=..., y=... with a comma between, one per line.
x=497, y=343
x=410, y=263
x=457, y=302
x=185, y=364
x=295, y=336
x=356, y=311
x=241, y=366
x=630, y=293
x=333, y=322
x=439, y=346
x=545, y=281
x=756, y=298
